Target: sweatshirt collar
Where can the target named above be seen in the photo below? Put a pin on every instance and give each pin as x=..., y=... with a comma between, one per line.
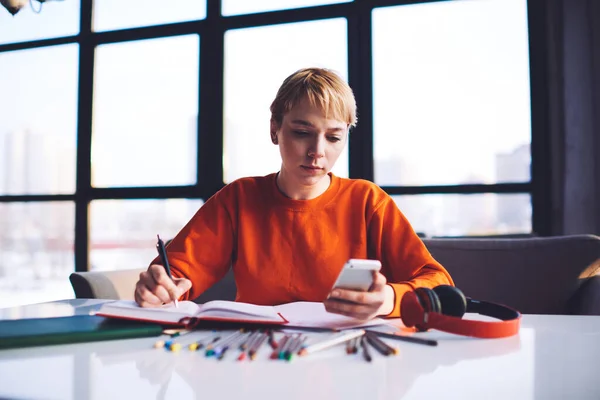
x=318, y=202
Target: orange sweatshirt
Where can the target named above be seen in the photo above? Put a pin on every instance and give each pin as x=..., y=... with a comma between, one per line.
x=285, y=250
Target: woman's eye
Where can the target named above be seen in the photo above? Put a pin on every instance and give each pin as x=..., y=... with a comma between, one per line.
x=334, y=139
x=300, y=133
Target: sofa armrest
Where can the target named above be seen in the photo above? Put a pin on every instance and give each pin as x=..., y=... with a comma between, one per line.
x=114, y=285
x=586, y=301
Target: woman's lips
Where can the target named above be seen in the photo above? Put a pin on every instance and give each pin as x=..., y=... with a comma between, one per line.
x=311, y=169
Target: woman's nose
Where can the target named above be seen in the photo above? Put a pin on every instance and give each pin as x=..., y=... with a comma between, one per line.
x=317, y=149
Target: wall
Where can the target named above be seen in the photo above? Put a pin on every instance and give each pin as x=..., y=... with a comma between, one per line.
x=574, y=84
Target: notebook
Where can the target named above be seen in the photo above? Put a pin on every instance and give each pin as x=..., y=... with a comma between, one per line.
x=188, y=314
x=72, y=329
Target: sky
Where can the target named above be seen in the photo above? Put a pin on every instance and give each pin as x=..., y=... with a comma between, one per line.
x=452, y=86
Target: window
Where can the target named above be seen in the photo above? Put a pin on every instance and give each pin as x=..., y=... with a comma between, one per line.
x=119, y=14
x=55, y=19
x=237, y=7
x=451, y=88
x=452, y=105
x=39, y=118
x=37, y=252
x=120, y=132
x=123, y=232
x=250, y=87
x=146, y=100
x=484, y=214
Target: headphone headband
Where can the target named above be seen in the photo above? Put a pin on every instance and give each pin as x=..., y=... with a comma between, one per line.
x=467, y=327
x=428, y=315
x=492, y=309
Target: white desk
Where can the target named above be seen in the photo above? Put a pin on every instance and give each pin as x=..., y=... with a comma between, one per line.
x=554, y=357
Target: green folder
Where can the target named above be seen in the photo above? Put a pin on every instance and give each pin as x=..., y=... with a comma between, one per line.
x=74, y=329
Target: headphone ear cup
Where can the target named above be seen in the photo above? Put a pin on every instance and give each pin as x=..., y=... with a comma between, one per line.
x=430, y=303
x=411, y=309
x=429, y=299
x=452, y=300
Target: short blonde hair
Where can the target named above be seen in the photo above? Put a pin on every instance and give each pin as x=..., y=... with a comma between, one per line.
x=323, y=88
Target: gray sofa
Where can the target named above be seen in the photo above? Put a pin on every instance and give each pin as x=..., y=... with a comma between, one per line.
x=551, y=275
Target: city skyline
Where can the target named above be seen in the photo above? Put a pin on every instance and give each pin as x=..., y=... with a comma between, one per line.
x=510, y=166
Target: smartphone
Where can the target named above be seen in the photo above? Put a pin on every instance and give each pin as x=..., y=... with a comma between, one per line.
x=357, y=274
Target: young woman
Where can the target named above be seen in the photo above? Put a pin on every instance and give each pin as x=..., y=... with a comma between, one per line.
x=287, y=235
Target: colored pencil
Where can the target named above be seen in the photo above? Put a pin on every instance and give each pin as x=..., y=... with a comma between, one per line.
x=256, y=346
x=365, y=348
x=377, y=346
x=198, y=344
x=355, y=343
x=215, y=340
x=272, y=341
x=280, y=344
x=298, y=345
x=234, y=342
x=284, y=353
x=288, y=344
x=332, y=341
x=248, y=344
x=176, y=332
x=388, y=349
x=349, y=346
x=215, y=347
x=410, y=339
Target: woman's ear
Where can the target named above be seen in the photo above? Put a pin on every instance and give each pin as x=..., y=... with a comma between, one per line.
x=274, y=129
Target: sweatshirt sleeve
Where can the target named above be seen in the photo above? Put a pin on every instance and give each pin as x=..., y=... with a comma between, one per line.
x=406, y=262
x=202, y=251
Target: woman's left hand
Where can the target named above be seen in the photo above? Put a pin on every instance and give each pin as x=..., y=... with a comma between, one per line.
x=362, y=305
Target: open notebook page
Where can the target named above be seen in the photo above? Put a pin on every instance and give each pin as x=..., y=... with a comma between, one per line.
x=218, y=307
x=313, y=314
x=302, y=313
x=165, y=313
x=213, y=309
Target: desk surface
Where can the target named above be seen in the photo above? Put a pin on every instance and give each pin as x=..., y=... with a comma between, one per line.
x=553, y=357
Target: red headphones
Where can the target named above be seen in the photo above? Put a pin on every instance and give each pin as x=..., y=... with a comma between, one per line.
x=442, y=308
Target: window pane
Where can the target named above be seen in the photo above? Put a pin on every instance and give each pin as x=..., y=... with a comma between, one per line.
x=120, y=14
x=451, y=92
x=54, y=20
x=145, y=113
x=465, y=215
x=37, y=252
x=38, y=125
x=123, y=232
x=250, y=87
x=236, y=7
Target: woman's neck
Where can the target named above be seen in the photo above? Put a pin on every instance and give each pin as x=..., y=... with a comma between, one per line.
x=301, y=192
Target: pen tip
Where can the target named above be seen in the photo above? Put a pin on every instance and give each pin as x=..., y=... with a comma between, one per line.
x=157, y=236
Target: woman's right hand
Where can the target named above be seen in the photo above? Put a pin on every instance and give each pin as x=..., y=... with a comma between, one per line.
x=155, y=288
